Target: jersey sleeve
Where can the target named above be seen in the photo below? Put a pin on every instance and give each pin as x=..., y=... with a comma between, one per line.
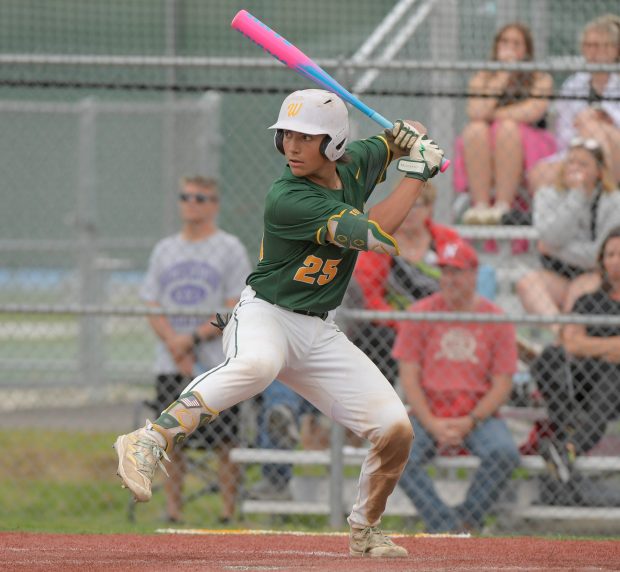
x=371, y=158
x=301, y=216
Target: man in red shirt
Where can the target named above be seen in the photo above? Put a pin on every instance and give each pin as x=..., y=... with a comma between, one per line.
x=456, y=376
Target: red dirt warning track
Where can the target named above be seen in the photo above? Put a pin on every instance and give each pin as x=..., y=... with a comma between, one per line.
x=88, y=553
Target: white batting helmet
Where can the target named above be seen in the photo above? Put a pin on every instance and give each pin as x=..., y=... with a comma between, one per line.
x=315, y=112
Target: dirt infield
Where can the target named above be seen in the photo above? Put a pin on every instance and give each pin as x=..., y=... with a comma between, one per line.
x=87, y=553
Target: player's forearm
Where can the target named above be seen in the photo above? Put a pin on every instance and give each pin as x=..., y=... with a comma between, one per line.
x=392, y=211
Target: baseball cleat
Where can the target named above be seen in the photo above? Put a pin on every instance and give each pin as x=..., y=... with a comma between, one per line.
x=139, y=454
x=371, y=542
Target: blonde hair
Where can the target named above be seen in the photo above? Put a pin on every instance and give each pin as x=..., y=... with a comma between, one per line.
x=608, y=182
x=200, y=181
x=609, y=24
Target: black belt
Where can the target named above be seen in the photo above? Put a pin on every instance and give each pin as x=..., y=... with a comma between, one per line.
x=322, y=315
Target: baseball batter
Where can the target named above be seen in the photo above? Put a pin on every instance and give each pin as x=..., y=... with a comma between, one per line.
x=314, y=226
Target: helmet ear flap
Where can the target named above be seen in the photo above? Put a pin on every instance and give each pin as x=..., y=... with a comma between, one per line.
x=324, y=148
x=332, y=150
x=278, y=140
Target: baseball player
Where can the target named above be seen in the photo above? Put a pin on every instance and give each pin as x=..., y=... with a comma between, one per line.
x=282, y=327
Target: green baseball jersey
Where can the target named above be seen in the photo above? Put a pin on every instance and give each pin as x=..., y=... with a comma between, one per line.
x=298, y=269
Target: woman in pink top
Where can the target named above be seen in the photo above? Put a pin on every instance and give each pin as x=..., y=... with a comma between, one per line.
x=506, y=133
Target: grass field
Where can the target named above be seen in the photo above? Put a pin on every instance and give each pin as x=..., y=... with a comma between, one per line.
x=65, y=482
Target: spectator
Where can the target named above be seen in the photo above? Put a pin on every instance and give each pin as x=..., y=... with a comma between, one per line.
x=277, y=429
x=572, y=219
x=593, y=116
x=202, y=267
x=583, y=398
x=506, y=133
x=287, y=419
x=394, y=283
x=455, y=377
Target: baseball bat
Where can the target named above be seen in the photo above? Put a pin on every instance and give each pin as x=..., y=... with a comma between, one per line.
x=281, y=49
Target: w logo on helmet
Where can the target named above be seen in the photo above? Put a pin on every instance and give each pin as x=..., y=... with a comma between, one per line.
x=293, y=109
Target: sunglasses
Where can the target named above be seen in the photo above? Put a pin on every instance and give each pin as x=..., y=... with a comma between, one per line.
x=589, y=144
x=198, y=198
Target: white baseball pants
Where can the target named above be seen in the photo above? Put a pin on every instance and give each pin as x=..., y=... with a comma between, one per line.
x=313, y=357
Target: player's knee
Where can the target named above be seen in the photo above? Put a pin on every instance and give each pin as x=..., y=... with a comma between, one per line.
x=398, y=437
x=395, y=446
x=403, y=434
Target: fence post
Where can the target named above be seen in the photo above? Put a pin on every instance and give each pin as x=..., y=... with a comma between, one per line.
x=444, y=43
x=336, y=476
x=89, y=336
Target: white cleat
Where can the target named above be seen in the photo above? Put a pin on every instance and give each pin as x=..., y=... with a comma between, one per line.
x=371, y=542
x=139, y=454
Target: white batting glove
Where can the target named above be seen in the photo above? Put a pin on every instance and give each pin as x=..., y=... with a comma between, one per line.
x=424, y=159
x=403, y=135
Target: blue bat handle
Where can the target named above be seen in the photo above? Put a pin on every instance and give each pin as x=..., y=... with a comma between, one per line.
x=381, y=120
x=317, y=75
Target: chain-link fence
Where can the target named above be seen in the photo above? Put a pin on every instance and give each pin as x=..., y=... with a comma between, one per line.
x=104, y=106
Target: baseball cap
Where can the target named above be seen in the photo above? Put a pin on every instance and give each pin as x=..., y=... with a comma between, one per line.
x=458, y=254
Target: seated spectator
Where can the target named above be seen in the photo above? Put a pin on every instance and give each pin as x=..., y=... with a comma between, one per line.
x=572, y=219
x=455, y=377
x=593, y=116
x=286, y=419
x=579, y=379
x=506, y=133
x=394, y=283
x=277, y=429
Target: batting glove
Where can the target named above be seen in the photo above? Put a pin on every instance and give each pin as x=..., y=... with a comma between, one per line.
x=423, y=161
x=403, y=135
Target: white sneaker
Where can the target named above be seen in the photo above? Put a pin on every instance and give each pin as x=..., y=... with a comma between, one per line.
x=476, y=214
x=370, y=541
x=139, y=454
x=494, y=214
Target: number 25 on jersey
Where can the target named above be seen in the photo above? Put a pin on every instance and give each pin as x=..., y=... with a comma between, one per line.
x=313, y=266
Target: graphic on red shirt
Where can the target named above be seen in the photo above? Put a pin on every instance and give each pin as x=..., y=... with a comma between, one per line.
x=457, y=344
